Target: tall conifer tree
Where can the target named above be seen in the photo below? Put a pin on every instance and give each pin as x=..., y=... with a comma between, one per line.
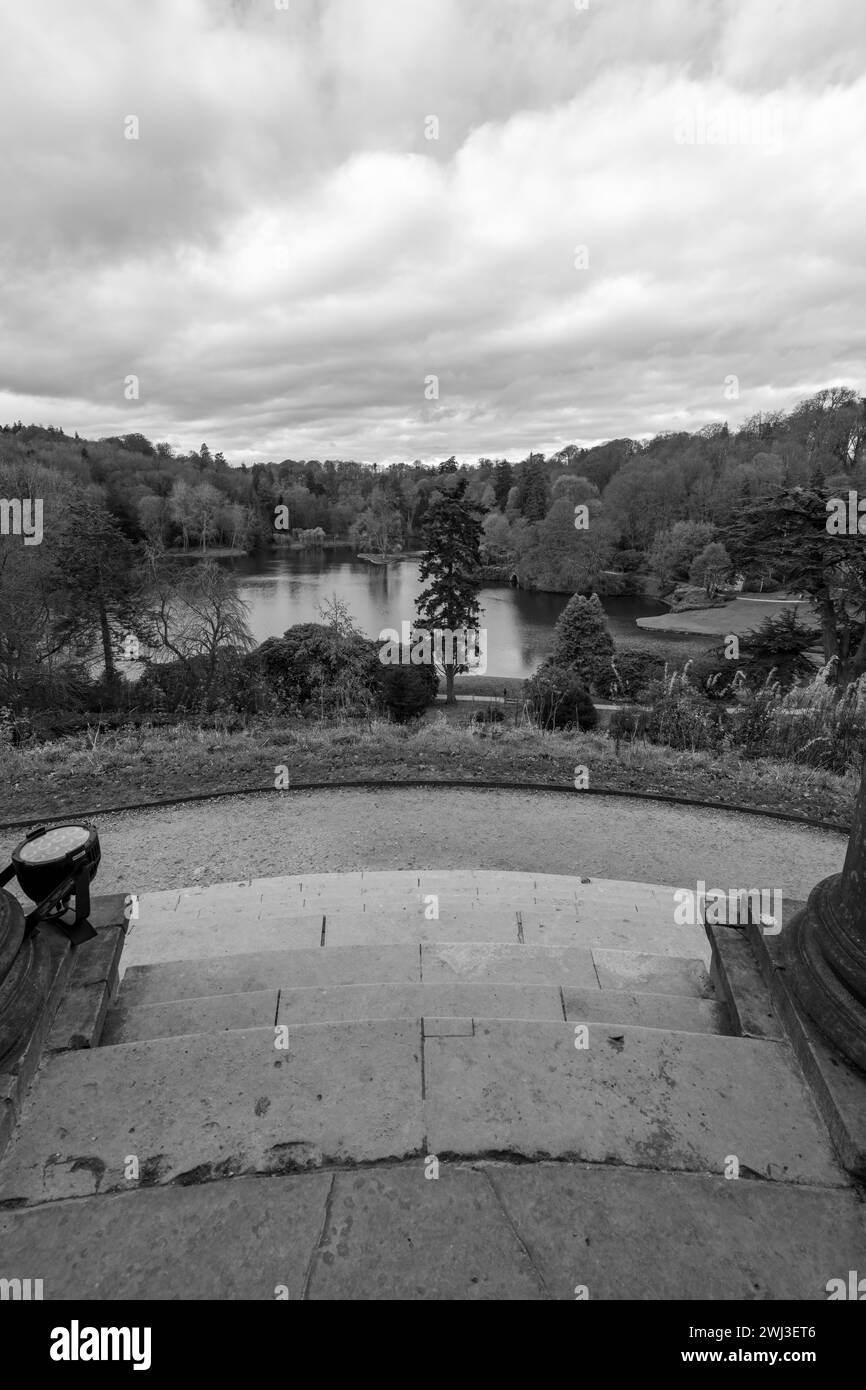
x=451, y=562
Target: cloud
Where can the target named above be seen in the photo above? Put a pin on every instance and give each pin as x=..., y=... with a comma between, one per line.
x=284, y=259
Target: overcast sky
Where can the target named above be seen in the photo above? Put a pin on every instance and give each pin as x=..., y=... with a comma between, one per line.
x=283, y=258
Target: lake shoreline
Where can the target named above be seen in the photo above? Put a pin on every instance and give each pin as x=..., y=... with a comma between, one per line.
x=285, y=586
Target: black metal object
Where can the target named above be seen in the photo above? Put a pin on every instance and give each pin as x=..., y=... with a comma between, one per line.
x=53, y=874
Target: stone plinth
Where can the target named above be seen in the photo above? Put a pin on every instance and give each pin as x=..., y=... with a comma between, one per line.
x=825, y=949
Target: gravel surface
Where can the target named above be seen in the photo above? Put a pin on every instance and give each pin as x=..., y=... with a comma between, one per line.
x=328, y=832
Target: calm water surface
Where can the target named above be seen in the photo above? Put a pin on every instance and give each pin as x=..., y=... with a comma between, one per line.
x=285, y=587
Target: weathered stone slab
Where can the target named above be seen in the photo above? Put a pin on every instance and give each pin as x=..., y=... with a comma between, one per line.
x=480, y=961
x=434, y=1027
x=80, y=1017
x=392, y=927
x=670, y=1011
x=244, y=1238
x=309, y=885
x=392, y=1234
x=639, y=972
x=737, y=979
x=445, y=999
x=486, y=1231
x=238, y=974
x=621, y=926
x=383, y=926
x=225, y=929
x=106, y=911
x=473, y=999
x=96, y=961
x=495, y=961
x=373, y=908
x=214, y=1105
x=636, y=1096
x=213, y=1014
x=623, y=1234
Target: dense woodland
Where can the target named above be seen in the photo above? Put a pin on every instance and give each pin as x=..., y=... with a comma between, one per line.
x=635, y=491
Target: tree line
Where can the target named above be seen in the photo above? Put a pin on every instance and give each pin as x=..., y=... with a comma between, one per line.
x=119, y=511
x=635, y=490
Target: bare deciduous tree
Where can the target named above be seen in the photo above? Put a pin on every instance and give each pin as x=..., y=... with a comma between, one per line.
x=198, y=617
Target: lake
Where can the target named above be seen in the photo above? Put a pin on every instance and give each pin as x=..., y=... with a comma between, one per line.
x=284, y=587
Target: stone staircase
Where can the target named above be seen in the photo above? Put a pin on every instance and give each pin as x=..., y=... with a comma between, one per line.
x=353, y=984
x=294, y=1025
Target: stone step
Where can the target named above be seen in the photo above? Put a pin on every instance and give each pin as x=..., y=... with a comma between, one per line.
x=390, y=885
x=641, y=1097
x=641, y=972
x=195, y=1108
x=481, y=1231
x=356, y=1003
x=215, y=1013
x=486, y=963
x=407, y=890
x=673, y=1012
x=251, y=971
x=337, y=1004
x=392, y=909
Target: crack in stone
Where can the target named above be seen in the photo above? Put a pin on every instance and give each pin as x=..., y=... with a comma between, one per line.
x=317, y=1244
x=517, y=1236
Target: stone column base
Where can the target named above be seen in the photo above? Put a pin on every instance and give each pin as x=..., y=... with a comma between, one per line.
x=824, y=971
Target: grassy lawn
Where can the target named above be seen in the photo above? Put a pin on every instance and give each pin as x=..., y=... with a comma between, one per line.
x=738, y=617
x=84, y=772
x=488, y=686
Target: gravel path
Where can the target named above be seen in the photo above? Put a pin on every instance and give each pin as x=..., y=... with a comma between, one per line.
x=328, y=832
